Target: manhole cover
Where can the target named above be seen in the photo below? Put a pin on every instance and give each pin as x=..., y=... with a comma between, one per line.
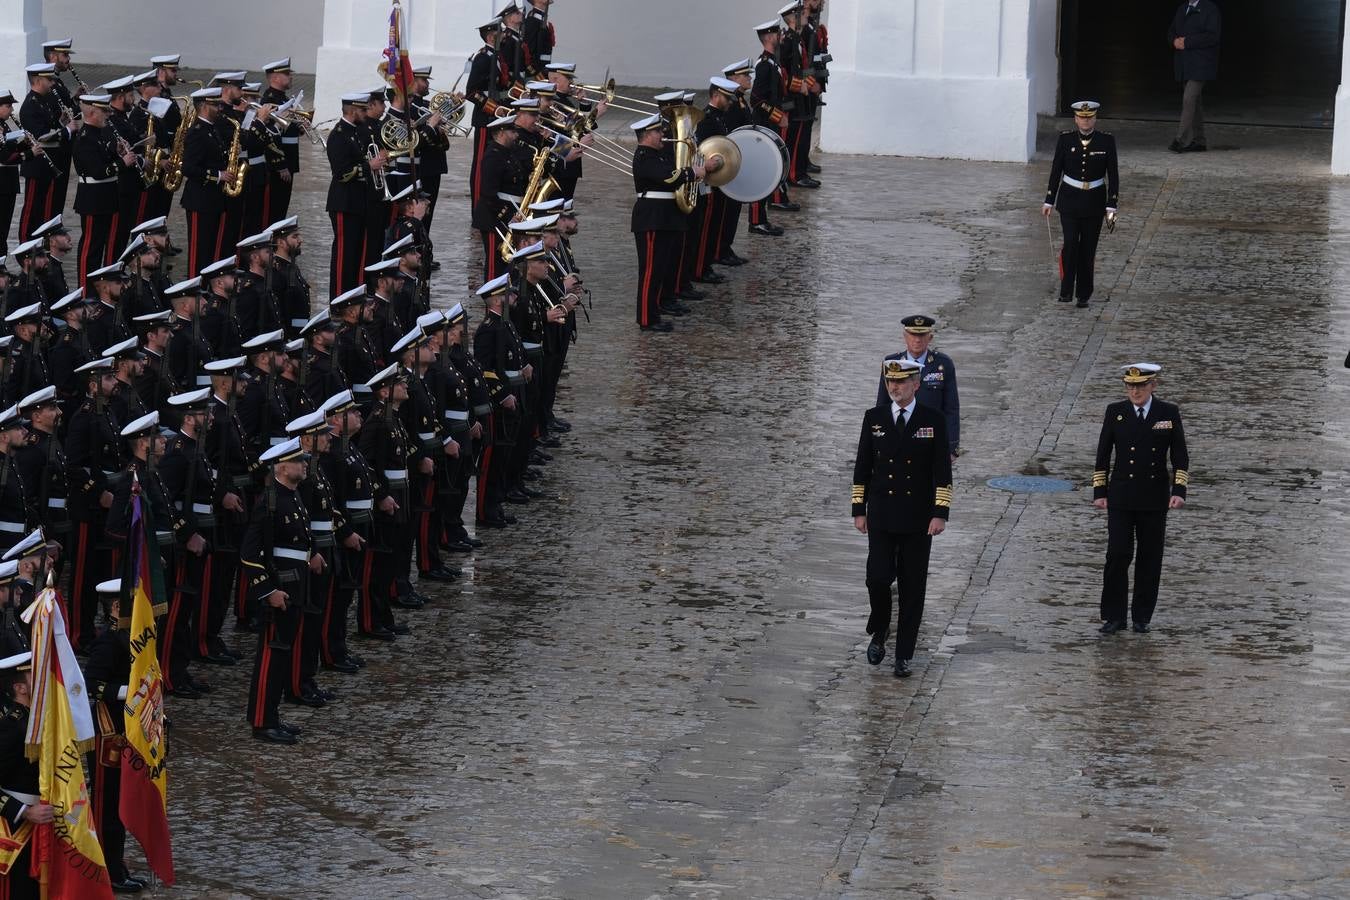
x=1030, y=484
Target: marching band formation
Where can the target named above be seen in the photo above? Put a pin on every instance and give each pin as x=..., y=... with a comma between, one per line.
x=300, y=464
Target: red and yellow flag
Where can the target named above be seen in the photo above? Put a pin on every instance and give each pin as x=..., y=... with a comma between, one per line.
x=67, y=857
x=144, y=802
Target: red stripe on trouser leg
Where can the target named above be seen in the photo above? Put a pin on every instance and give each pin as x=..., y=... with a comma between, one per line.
x=260, y=699
x=367, y=604
x=645, y=288
x=48, y=202
x=170, y=625
x=204, y=610
x=220, y=237
x=297, y=657
x=701, y=265
x=341, y=254
x=109, y=251
x=26, y=215
x=192, y=218
x=480, y=147
x=140, y=207
x=267, y=203
x=86, y=226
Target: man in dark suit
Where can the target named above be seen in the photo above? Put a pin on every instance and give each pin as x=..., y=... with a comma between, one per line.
x=1085, y=188
x=902, y=496
x=1194, y=36
x=1142, y=432
x=937, y=381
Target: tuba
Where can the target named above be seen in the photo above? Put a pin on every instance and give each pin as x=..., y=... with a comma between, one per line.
x=234, y=163
x=172, y=178
x=685, y=119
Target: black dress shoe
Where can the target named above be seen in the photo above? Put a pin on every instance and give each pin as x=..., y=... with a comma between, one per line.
x=306, y=699
x=1081, y=304
x=1176, y=146
x=902, y=669
x=198, y=685
x=128, y=885
x=400, y=628
x=660, y=327
x=377, y=634
x=531, y=475
x=472, y=541
x=274, y=736
x=326, y=694
x=515, y=495
x=876, y=652
x=1141, y=627
x=560, y=425
x=1068, y=299
x=293, y=730
x=407, y=601
x=185, y=691
x=344, y=665
x=689, y=293
x=812, y=168
x=1194, y=147
x=789, y=206
x=355, y=659
x=444, y=574
x=1112, y=627
x=766, y=230
x=218, y=659
x=807, y=182
x=732, y=261
x=551, y=442
x=491, y=522
x=710, y=277
x=673, y=309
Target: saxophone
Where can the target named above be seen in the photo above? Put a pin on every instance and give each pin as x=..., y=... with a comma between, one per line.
x=172, y=178
x=153, y=155
x=538, y=189
x=234, y=185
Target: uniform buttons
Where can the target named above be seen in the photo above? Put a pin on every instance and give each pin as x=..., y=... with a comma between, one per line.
x=891, y=493
x=1131, y=449
x=890, y=476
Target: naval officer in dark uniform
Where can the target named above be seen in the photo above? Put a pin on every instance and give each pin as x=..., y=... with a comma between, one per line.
x=937, y=381
x=1085, y=188
x=902, y=496
x=1143, y=432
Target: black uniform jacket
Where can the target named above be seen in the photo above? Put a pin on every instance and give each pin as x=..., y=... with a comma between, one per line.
x=203, y=161
x=653, y=173
x=902, y=479
x=1140, y=479
x=1085, y=160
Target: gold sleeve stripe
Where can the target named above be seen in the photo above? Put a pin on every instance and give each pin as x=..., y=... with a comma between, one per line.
x=1183, y=477
x=1099, y=479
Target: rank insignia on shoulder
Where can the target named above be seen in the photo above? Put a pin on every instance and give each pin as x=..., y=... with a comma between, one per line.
x=1164, y=425
x=923, y=433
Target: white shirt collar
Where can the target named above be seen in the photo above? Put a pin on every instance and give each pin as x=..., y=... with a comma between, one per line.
x=1146, y=407
x=921, y=359
x=908, y=410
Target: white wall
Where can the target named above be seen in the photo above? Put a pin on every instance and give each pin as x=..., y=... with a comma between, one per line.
x=214, y=35
x=21, y=37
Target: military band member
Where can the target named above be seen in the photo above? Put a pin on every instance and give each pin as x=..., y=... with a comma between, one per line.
x=204, y=172
x=512, y=49
x=803, y=89
x=281, y=177
x=355, y=354
x=106, y=321
x=353, y=495
x=445, y=395
x=243, y=212
x=142, y=295
x=57, y=53
x=408, y=294
x=188, y=477
x=350, y=192
x=127, y=362
x=263, y=412
x=657, y=224
x=71, y=350
x=712, y=202
x=93, y=455
x=188, y=347
x=42, y=463
x=538, y=35
x=501, y=178
x=152, y=114
x=768, y=102
x=321, y=377
x=255, y=296
x=28, y=368
x=489, y=78
x=289, y=284
x=385, y=445
x=434, y=153
x=498, y=350
x=107, y=672
x=155, y=384
x=56, y=243
x=99, y=160
x=937, y=381
x=1137, y=491
x=15, y=496
x=53, y=125
x=278, y=557
x=478, y=434
x=315, y=437
x=130, y=182
x=12, y=154
x=406, y=164
x=902, y=497
x=220, y=320
x=27, y=288
x=1085, y=188
x=227, y=452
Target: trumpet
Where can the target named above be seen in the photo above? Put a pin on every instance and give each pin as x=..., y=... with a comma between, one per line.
x=377, y=175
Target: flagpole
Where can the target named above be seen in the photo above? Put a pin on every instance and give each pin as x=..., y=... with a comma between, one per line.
x=405, y=56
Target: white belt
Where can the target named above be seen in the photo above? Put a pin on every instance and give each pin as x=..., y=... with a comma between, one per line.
x=257, y=160
x=657, y=195
x=288, y=553
x=396, y=474
x=426, y=435
x=298, y=323
x=49, y=145
x=404, y=161
x=1082, y=185
x=360, y=504
x=201, y=509
x=290, y=140
x=273, y=441
x=457, y=415
x=56, y=502
x=84, y=180
x=12, y=527
x=26, y=799
x=519, y=200
x=513, y=373
x=528, y=346
x=321, y=525
x=9, y=165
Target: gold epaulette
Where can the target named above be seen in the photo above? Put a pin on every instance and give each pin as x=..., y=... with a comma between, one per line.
x=1099, y=479
x=1183, y=478
x=355, y=172
x=490, y=374
x=860, y=493
x=943, y=496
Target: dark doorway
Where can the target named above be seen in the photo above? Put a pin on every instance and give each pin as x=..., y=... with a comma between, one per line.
x=1279, y=62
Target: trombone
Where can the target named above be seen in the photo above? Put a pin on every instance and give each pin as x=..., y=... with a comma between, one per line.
x=606, y=157
x=607, y=89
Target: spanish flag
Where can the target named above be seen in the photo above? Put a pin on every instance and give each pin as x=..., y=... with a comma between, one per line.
x=144, y=802
x=67, y=857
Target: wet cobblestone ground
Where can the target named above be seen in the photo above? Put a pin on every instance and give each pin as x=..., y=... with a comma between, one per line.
x=655, y=685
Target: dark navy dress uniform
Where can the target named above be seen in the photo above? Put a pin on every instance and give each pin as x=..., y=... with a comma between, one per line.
x=658, y=228
x=902, y=480
x=937, y=388
x=1137, y=489
x=1084, y=184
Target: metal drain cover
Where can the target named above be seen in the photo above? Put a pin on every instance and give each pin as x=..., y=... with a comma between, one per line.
x=1030, y=484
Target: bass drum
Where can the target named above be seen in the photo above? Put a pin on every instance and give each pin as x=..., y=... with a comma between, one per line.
x=764, y=163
